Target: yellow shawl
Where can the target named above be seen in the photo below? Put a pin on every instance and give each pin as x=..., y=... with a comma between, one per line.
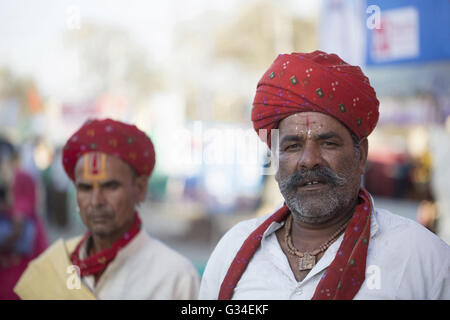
x=51, y=276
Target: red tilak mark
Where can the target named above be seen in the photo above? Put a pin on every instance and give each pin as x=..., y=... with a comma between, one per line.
x=307, y=123
x=94, y=164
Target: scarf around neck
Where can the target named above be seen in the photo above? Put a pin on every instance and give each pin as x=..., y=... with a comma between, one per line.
x=96, y=263
x=343, y=277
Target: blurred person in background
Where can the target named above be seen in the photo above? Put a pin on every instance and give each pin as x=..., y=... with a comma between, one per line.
x=56, y=186
x=110, y=163
x=327, y=241
x=427, y=215
x=22, y=234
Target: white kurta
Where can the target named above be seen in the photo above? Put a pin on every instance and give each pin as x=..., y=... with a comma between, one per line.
x=404, y=261
x=145, y=269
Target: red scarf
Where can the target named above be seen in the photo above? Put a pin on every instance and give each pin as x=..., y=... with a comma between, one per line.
x=98, y=262
x=345, y=275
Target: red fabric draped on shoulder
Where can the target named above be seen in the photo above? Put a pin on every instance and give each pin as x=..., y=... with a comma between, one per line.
x=345, y=275
x=98, y=262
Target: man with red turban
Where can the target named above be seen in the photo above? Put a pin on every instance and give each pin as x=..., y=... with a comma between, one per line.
x=327, y=241
x=110, y=163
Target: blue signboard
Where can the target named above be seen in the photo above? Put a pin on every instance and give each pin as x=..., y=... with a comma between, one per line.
x=400, y=31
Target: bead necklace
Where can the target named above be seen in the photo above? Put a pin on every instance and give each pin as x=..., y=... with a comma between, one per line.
x=307, y=260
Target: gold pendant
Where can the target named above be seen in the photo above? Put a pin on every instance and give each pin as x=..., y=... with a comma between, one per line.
x=306, y=262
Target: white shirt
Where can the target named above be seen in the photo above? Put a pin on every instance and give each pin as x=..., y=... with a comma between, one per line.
x=145, y=269
x=404, y=261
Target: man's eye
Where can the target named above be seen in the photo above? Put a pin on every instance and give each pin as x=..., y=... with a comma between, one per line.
x=292, y=147
x=111, y=186
x=329, y=144
x=83, y=187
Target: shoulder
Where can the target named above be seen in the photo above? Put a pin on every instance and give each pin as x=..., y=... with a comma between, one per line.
x=161, y=271
x=233, y=239
x=418, y=257
x=397, y=229
x=153, y=250
x=243, y=229
x=224, y=253
x=54, y=248
x=72, y=243
x=60, y=247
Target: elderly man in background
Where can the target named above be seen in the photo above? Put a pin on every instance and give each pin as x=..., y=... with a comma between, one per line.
x=110, y=163
x=327, y=241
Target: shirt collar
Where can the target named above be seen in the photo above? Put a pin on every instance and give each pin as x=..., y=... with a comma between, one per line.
x=373, y=220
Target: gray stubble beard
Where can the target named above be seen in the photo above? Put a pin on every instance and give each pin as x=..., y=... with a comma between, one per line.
x=316, y=208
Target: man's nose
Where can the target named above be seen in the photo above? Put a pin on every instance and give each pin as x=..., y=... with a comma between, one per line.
x=97, y=197
x=310, y=156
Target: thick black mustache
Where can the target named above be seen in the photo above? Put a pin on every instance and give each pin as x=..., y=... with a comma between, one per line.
x=327, y=175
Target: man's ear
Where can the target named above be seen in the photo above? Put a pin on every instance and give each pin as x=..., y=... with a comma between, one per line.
x=364, y=149
x=140, y=184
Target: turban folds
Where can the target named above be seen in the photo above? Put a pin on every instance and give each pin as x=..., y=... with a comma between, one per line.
x=317, y=82
x=112, y=137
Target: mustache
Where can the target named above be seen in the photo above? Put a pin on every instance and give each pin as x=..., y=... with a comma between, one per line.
x=324, y=174
x=99, y=213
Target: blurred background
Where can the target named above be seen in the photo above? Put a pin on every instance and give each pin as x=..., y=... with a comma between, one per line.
x=185, y=72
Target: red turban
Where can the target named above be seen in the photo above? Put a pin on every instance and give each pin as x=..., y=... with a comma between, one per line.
x=116, y=138
x=319, y=82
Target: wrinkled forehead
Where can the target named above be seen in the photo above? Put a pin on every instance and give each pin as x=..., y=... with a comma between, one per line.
x=310, y=123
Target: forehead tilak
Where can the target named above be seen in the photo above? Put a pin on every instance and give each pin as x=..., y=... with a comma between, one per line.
x=306, y=125
x=94, y=167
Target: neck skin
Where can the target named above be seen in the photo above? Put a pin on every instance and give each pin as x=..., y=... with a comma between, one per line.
x=307, y=237
x=102, y=242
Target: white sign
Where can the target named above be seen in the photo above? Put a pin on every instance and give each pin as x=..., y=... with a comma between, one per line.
x=398, y=35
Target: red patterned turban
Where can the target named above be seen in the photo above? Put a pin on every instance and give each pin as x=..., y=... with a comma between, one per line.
x=319, y=82
x=116, y=138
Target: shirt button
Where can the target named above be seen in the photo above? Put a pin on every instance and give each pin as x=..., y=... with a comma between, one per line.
x=298, y=291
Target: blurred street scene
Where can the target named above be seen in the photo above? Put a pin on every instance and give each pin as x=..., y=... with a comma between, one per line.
x=185, y=72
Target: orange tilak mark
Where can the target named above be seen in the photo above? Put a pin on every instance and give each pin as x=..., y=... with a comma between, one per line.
x=96, y=174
